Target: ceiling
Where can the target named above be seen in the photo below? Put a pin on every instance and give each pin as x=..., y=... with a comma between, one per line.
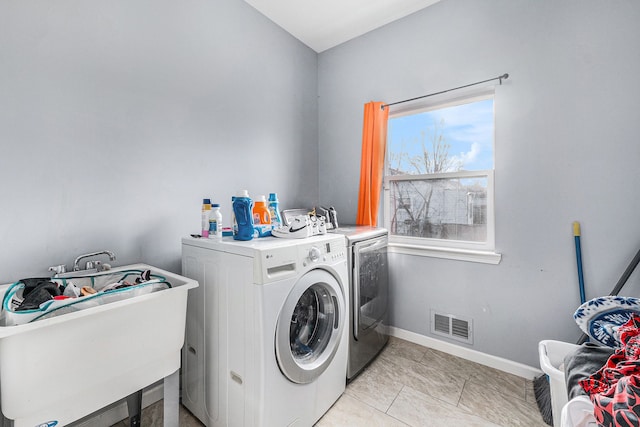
x=323, y=24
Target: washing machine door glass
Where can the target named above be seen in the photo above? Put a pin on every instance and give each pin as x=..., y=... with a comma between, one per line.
x=310, y=326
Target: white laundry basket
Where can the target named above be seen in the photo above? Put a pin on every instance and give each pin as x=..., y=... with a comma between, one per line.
x=552, y=355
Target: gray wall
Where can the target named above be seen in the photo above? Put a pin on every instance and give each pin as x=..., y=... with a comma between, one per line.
x=567, y=125
x=117, y=117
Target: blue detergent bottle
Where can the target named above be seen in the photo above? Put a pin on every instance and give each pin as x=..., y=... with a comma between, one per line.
x=274, y=210
x=242, y=209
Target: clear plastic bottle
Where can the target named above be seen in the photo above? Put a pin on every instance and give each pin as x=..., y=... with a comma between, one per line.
x=274, y=210
x=215, y=222
x=206, y=212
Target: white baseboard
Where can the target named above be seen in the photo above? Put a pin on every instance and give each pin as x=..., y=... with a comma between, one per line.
x=118, y=411
x=505, y=365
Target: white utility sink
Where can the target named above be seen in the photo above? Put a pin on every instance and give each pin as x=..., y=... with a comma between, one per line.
x=57, y=370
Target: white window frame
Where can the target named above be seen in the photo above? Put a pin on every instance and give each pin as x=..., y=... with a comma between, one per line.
x=483, y=252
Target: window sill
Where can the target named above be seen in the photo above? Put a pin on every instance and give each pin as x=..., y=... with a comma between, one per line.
x=485, y=257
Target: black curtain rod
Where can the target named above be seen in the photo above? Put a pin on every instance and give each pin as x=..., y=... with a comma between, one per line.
x=502, y=77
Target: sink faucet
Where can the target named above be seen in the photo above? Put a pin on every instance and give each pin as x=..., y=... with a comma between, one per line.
x=58, y=269
x=76, y=266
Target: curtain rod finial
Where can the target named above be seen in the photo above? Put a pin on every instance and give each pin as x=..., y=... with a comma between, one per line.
x=505, y=76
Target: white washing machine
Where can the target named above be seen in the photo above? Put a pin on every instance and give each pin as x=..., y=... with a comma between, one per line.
x=266, y=341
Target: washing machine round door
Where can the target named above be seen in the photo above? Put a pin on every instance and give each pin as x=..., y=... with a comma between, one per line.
x=310, y=326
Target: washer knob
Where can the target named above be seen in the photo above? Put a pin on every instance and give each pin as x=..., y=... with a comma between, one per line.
x=314, y=254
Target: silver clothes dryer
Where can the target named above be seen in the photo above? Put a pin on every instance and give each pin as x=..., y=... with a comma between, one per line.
x=369, y=289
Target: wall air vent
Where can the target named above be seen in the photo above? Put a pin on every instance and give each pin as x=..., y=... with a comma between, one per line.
x=455, y=327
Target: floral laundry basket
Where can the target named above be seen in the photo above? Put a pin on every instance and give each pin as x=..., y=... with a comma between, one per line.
x=29, y=300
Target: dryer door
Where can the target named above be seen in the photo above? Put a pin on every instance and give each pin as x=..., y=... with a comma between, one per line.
x=310, y=326
x=370, y=284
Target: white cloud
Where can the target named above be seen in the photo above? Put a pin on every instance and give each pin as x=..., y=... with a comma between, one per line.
x=467, y=158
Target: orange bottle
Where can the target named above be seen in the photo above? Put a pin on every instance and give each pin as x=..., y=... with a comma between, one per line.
x=261, y=211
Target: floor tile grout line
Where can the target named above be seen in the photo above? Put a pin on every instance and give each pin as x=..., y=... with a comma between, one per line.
x=369, y=405
x=378, y=410
x=461, y=392
x=408, y=359
x=474, y=380
x=394, y=399
x=483, y=417
x=473, y=413
x=399, y=420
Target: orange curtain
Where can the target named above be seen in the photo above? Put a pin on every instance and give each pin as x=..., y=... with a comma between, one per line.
x=374, y=141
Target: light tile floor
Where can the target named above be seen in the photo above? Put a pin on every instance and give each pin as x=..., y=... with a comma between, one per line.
x=411, y=385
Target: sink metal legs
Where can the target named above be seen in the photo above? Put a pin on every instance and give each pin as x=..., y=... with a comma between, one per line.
x=134, y=405
x=172, y=399
x=171, y=404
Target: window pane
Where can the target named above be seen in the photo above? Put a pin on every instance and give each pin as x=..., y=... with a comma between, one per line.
x=451, y=139
x=448, y=209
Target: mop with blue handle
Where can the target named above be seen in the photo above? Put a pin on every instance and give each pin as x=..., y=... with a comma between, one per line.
x=541, y=387
x=576, y=238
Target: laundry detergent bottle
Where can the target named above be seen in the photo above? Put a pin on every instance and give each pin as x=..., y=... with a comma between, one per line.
x=261, y=212
x=206, y=213
x=234, y=224
x=274, y=210
x=243, y=211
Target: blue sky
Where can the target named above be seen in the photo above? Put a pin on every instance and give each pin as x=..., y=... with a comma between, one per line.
x=468, y=129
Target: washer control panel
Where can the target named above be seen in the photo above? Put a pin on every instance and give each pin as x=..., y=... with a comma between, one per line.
x=329, y=251
x=286, y=261
x=314, y=254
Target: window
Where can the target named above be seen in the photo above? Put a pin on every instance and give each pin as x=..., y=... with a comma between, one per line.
x=439, y=180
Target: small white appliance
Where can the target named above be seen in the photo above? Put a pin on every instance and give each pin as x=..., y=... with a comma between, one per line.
x=266, y=339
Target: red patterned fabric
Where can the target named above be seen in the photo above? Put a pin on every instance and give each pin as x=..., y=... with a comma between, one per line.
x=615, y=388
